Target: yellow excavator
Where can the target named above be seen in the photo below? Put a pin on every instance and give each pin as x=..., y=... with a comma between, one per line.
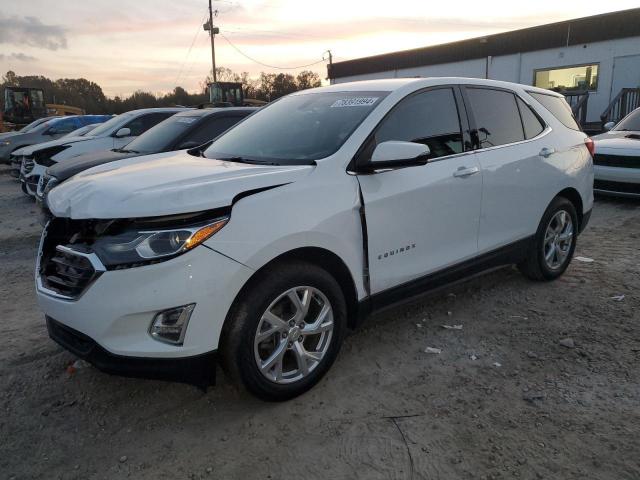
x=23, y=105
x=230, y=94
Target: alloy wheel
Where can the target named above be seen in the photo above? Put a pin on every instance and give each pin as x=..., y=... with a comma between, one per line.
x=293, y=335
x=558, y=238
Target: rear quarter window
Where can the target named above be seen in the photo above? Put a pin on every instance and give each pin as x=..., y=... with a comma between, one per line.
x=559, y=108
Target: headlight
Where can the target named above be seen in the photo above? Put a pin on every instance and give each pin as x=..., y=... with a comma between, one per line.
x=49, y=183
x=5, y=143
x=141, y=246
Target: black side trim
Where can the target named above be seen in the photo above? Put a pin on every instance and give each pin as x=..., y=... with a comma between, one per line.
x=585, y=221
x=513, y=253
x=199, y=370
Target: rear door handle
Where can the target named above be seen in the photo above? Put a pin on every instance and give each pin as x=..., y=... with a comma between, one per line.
x=465, y=171
x=546, y=152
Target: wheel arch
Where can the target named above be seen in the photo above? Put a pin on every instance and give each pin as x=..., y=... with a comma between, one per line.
x=318, y=256
x=574, y=197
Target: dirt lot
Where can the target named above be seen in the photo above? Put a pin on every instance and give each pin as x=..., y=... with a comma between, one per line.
x=504, y=399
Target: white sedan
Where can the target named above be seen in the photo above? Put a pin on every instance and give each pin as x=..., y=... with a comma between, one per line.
x=617, y=158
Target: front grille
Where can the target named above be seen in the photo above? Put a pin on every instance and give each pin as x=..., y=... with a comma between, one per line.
x=65, y=266
x=620, y=187
x=27, y=165
x=621, y=161
x=67, y=273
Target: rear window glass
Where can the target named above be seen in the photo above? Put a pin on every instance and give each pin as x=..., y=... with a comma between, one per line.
x=558, y=107
x=497, y=117
x=530, y=121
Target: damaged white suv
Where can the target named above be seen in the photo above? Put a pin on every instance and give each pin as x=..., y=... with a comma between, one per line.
x=291, y=227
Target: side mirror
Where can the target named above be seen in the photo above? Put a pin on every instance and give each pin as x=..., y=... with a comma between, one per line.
x=393, y=154
x=608, y=126
x=123, y=132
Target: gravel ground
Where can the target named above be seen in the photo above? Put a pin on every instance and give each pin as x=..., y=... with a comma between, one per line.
x=542, y=381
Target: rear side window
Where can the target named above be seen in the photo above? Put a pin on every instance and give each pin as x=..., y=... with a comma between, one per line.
x=530, y=121
x=143, y=123
x=558, y=107
x=497, y=117
x=211, y=128
x=430, y=118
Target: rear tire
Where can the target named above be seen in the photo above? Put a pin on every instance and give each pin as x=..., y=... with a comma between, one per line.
x=554, y=242
x=268, y=344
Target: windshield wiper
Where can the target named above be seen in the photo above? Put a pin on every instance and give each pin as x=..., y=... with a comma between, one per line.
x=124, y=150
x=247, y=160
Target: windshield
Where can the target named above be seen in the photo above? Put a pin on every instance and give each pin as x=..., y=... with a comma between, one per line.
x=296, y=129
x=157, y=138
x=630, y=123
x=107, y=126
x=33, y=124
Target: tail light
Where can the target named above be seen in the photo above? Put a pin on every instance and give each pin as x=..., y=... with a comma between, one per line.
x=591, y=146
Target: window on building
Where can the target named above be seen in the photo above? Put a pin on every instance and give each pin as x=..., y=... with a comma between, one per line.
x=581, y=77
x=497, y=117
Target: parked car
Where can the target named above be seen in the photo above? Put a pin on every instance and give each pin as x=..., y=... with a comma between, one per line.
x=82, y=131
x=183, y=130
x=28, y=127
x=321, y=207
x=617, y=158
x=49, y=130
x=114, y=133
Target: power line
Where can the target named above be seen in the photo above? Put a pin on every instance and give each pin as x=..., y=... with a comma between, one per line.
x=266, y=64
x=189, y=51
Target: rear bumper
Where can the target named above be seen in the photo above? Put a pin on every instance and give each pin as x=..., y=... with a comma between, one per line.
x=199, y=370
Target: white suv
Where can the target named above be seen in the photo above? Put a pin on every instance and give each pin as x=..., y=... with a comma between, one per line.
x=309, y=214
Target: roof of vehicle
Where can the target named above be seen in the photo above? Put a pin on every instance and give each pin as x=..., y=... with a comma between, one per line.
x=202, y=112
x=159, y=109
x=392, y=84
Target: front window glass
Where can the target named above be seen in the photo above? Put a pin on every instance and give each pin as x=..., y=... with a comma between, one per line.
x=158, y=138
x=109, y=125
x=582, y=77
x=297, y=129
x=630, y=123
x=430, y=118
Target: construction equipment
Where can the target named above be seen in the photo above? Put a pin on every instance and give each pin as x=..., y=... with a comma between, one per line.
x=230, y=94
x=23, y=105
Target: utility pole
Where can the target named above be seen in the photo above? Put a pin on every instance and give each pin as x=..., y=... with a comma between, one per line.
x=212, y=34
x=330, y=61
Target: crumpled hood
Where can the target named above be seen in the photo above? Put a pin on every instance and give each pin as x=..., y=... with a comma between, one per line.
x=162, y=184
x=51, y=143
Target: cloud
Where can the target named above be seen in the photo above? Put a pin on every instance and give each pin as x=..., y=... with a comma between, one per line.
x=21, y=57
x=31, y=31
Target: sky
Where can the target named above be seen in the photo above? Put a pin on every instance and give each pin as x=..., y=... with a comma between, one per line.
x=155, y=45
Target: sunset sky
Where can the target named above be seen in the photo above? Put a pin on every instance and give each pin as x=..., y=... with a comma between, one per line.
x=125, y=46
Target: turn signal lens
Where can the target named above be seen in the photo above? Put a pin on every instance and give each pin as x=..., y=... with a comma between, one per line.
x=205, y=232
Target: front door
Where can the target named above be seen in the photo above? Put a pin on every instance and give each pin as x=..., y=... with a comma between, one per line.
x=424, y=218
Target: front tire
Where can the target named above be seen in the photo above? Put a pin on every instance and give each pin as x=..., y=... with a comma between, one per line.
x=554, y=243
x=285, y=331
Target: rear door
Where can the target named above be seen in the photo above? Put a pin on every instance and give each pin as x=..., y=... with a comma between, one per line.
x=423, y=218
x=509, y=137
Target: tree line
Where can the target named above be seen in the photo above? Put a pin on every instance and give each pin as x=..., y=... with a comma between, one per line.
x=88, y=95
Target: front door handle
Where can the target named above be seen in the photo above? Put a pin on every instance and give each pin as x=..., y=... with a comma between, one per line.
x=546, y=152
x=465, y=171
